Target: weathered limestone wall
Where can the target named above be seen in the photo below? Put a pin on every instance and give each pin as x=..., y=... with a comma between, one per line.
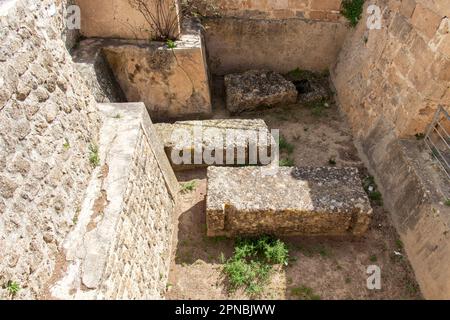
x=117, y=19
x=48, y=119
x=389, y=83
x=237, y=45
x=400, y=73
x=325, y=10
x=173, y=83
x=121, y=245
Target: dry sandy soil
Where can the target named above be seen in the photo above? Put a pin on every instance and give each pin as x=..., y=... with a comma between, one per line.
x=319, y=267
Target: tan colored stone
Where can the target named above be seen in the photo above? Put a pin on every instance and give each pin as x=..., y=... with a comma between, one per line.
x=292, y=201
x=426, y=20
x=213, y=134
x=114, y=19
x=238, y=45
x=326, y=5
x=407, y=7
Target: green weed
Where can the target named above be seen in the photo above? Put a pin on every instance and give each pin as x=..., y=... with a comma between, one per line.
x=352, y=10
x=94, y=157
x=305, y=293
x=188, y=186
x=252, y=262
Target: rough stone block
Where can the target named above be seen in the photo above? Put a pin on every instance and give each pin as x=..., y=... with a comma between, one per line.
x=212, y=134
x=294, y=201
x=258, y=88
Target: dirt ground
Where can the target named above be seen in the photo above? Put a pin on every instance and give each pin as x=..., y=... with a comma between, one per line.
x=319, y=267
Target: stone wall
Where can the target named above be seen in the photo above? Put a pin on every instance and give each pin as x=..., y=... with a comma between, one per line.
x=389, y=83
x=236, y=45
x=120, y=247
x=325, y=10
x=48, y=119
x=117, y=19
x=400, y=73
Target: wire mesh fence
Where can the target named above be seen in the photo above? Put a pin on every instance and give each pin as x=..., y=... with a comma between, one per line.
x=437, y=139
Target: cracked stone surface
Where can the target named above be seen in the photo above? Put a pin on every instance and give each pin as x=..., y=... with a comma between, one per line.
x=294, y=201
x=213, y=135
x=257, y=89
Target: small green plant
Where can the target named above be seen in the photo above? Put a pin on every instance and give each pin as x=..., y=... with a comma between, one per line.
x=13, y=287
x=373, y=258
x=66, y=144
x=94, y=157
x=298, y=74
x=399, y=244
x=375, y=196
x=252, y=262
x=286, y=146
x=324, y=251
x=286, y=162
x=318, y=107
x=420, y=136
x=188, y=186
x=447, y=202
x=171, y=44
x=305, y=293
x=352, y=10
x=332, y=162
x=372, y=190
x=118, y=116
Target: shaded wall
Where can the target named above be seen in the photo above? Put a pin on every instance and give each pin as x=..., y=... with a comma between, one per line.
x=235, y=44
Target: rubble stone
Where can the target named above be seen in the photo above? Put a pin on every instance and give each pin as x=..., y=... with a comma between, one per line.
x=258, y=88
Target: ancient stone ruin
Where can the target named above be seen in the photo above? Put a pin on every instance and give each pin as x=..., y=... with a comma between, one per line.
x=138, y=156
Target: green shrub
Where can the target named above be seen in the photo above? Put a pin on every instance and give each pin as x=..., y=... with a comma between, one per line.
x=352, y=10
x=372, y=190
x=252, y=262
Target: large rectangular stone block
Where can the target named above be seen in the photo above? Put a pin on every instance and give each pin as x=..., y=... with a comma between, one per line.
x=293, y=201
x=247, y=140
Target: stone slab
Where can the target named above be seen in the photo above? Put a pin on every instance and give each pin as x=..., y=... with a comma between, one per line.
x=247, y=133
x=294, y=201
x=258, y=88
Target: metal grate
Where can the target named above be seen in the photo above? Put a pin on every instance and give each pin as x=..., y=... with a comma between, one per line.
x=437, y=139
